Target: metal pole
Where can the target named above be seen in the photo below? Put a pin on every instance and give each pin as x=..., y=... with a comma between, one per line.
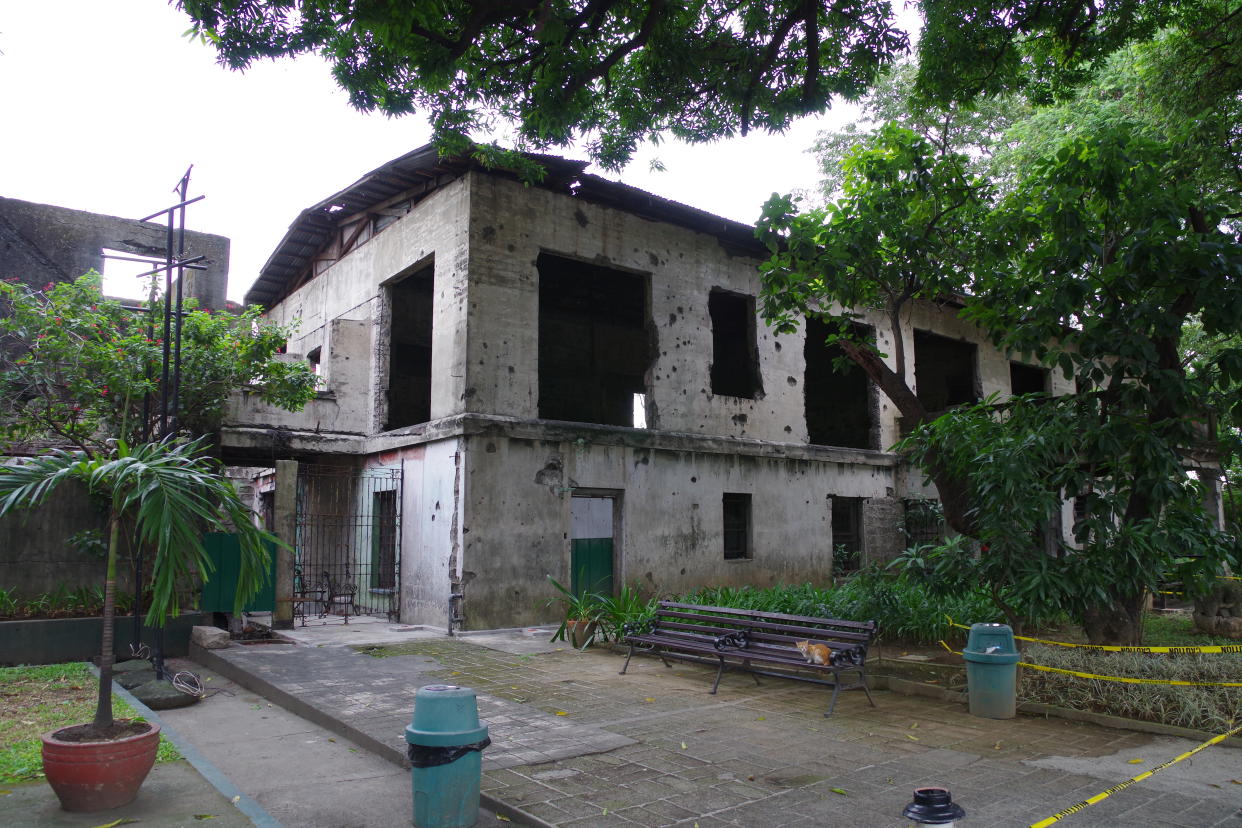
x=180, y=189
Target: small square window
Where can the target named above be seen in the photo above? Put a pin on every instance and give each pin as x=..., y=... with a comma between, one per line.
x=736, y=509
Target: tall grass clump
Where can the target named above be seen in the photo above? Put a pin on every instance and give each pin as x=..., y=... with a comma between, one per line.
x=1212, y=709
x=903, y=606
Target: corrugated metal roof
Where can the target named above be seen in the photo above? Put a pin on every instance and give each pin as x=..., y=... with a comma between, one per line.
x=315, y=227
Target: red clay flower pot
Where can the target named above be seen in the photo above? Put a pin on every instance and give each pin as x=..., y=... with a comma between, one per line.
x=96, y=776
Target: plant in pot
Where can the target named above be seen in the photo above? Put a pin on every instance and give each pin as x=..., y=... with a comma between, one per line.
x=167, y=494
x=581, y=623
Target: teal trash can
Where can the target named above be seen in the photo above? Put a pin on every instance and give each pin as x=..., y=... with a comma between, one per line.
x=991, y=671
x=445, y=745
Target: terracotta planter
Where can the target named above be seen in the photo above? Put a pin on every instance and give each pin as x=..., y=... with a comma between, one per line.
x=96, y=776
x=580, y=631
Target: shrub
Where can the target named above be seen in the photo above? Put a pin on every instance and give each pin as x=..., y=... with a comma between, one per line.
x=1204, y=708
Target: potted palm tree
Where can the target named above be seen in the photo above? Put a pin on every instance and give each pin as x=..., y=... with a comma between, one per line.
x=167, y=494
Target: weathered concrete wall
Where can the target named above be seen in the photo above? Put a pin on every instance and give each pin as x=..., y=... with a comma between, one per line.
x=35, y=553
x=40, y=243
x=511, y=225
x=434, y=232
x=431, y=530
x=670, y=533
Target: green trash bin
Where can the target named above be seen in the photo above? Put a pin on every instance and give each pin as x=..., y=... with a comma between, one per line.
x=991, y=671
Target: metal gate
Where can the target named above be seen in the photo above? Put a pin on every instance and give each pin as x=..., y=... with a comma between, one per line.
x=347, y=550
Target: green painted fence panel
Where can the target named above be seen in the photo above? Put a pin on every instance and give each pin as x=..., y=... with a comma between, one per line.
x=590, y=561
x=220, y=590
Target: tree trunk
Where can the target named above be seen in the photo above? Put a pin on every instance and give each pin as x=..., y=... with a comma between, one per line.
x=103, y=709
x=951, y=488
x=1118, y=624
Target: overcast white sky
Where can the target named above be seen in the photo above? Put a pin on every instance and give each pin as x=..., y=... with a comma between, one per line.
x=106, y=104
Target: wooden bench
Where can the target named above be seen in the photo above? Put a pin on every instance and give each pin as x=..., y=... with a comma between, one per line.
x=759, y=643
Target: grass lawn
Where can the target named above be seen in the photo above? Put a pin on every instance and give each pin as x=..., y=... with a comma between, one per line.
x=34, y=700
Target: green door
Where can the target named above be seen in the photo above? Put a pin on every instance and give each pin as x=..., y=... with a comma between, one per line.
x=591, y=548
x=221, y=587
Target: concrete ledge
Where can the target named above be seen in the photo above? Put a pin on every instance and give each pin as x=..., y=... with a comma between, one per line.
x=57, y=640
x=293, y=704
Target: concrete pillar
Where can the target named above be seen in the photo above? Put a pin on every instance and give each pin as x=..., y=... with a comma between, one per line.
x=285, y=527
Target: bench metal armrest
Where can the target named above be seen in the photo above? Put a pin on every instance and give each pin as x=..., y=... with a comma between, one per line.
x=642, y=626
x=734, y=640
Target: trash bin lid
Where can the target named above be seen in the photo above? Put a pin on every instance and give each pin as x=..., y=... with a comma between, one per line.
x=445, y=715
x=993, y=639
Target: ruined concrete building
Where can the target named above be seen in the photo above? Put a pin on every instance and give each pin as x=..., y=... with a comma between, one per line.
x=570, y=379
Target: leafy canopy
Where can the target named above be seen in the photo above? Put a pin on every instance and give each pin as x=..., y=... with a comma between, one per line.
x=617, y=72
x=75, y=366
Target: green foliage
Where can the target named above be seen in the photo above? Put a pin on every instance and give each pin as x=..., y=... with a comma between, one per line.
x=906, y=608
x=628, y=606
x=1212, y=709
x=76, y=367
x=613, y=73
x=169, y=493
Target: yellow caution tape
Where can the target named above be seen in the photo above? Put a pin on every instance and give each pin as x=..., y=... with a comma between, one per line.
x=1124, y=679
x=1111, y=648
x=1086, y=803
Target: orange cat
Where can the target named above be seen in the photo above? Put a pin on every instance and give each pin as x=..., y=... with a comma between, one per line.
x=815, y=653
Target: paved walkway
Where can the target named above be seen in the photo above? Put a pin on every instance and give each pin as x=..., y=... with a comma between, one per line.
x=575, y=744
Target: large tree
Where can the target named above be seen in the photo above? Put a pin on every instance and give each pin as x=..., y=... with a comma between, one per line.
x=617, y=72
x=1109, y=227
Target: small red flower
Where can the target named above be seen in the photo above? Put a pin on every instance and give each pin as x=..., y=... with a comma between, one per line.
x=104, y=391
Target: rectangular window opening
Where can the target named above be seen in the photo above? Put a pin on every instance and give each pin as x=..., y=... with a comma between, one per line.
x=120, y=274
x=313, y=360
x=840, y=402
x=736, y=526
x=846, y=534
x=411, y=303
x=594, y=342
x=945, y=372
x=384, y=540
x=1027, y=379
x=735, y=356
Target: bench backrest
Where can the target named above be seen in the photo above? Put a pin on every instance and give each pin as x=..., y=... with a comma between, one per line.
x=773, y=628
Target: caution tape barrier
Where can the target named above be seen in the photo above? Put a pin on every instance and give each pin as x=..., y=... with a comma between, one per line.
x=1086, y=803
x=1112, y=648
x=1124, y=679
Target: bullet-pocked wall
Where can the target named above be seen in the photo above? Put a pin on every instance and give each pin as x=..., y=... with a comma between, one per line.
x=669, y=527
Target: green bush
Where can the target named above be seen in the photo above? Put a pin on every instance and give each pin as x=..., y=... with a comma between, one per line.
x=1212, y=709
x=904, y=607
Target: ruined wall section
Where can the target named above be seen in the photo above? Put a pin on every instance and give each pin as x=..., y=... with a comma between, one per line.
x=41, y=243
x=344, y=312
x=511, y=225
x=670, y=535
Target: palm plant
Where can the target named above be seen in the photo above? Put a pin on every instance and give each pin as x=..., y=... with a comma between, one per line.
x=167, y=494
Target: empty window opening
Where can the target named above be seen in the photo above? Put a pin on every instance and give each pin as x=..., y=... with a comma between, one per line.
x=944, y=371
x=640, y=411
x=840, y=402
x=1027, y=379
x=409, y=355
x=312, y=359
x=846, y=534
x=120, y=274
x=594, y=342
x=924, y=521
x=736, y=528
x=384, y=540
x=735, y=357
